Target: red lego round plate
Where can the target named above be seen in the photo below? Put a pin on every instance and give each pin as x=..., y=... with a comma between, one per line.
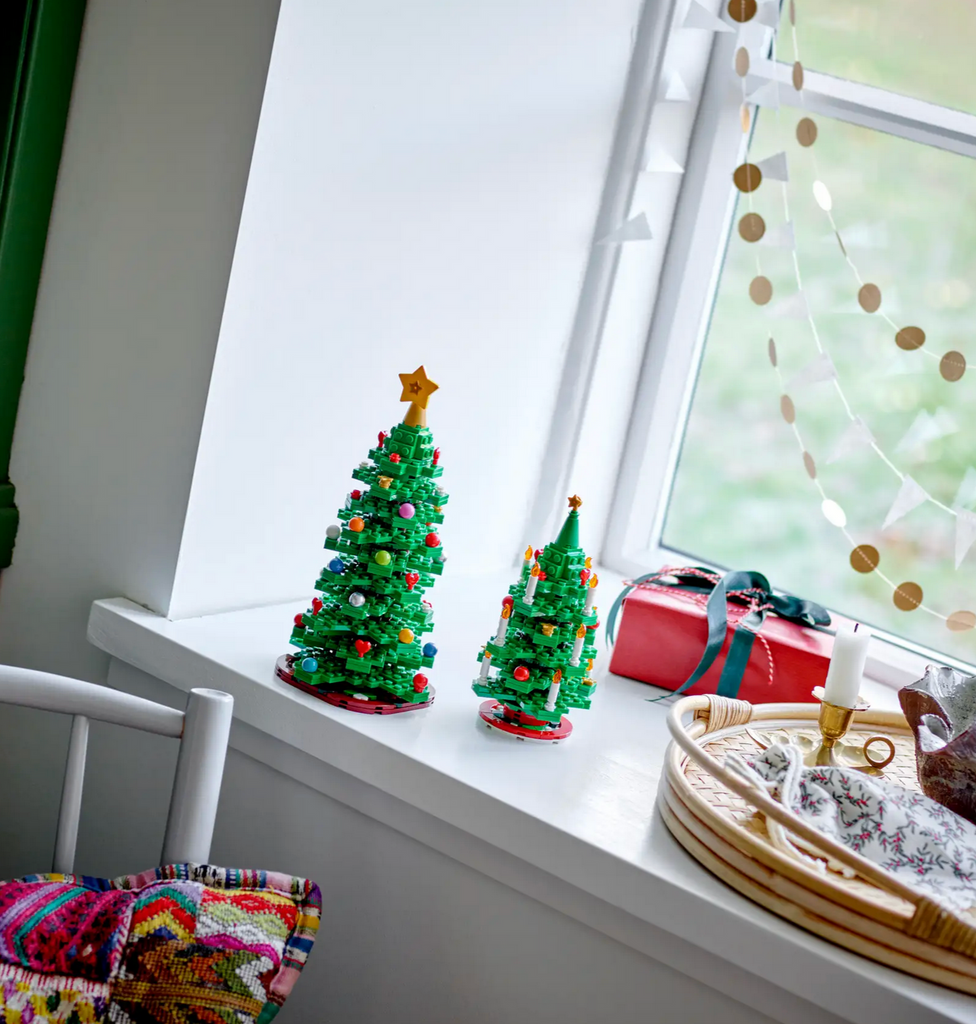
x=360, y=703
x=497, y=716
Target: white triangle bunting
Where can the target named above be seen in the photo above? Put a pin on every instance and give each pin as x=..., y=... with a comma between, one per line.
x=660, y=161
x=768, y=14
x=965, y=533
x=820, y=369
x=856, y=436
x=780, y=237
x=762, y=93
x=634, y=230
x=910, y=495
x=926, y=428
x=699, y=17
x=792, y=308
x=676, y=91
x=775, y=167
x=966, y=494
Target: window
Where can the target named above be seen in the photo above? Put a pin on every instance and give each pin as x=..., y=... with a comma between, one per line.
x=735, y=489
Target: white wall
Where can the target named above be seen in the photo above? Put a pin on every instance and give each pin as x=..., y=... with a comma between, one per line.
x=162, y=121
x=424, y=187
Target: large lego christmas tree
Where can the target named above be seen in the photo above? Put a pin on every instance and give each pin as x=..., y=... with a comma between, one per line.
x=361, y=641
x=537, y=666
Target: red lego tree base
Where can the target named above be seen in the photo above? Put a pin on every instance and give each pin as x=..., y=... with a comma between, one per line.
x=504, y=719
x=340, y=699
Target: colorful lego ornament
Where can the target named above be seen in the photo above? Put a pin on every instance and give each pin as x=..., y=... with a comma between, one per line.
x=537, y=666
x=361, y=645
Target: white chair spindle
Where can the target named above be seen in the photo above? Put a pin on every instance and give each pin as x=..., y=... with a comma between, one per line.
x=199, y=772
x=71, y=792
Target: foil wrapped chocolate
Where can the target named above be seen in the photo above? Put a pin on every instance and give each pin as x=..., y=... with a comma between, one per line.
x=941, y=709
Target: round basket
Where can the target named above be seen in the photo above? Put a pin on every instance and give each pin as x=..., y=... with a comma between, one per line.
x=720, y=820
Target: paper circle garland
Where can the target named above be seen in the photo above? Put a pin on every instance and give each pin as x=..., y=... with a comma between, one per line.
x=787, y=408
x=907, y=596
x=406, y=510
x=760, y=290
x=752, y=227
x=822, y=195
x=865, y=558
x=959, y=622
x=333, y=532
x=742, y=10
x=382, y=557
x=833, y=513
x=742, y=62
x=809, y=465
x=405, y=636
x=952, y=366
x=356, y=524
x=909, y=338
x=747, y=177
x=806, y=132
x=869, y=298
x=356, y=599
x=772, y=352
x=797, y=76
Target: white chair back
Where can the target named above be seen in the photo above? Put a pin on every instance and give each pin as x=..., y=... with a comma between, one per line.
x=203, y=730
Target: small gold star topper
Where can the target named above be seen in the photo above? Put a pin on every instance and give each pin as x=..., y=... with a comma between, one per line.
x=417, y=389
x=574, y=502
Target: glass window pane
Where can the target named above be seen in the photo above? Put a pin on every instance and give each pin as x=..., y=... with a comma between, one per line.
x=920, y=48
x=742, y=497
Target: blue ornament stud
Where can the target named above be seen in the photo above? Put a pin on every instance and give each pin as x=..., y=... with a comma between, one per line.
x=310, y=665
x=337, y=565
x=430, y=650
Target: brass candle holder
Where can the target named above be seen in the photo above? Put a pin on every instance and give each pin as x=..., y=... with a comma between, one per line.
x=831, y=749
x=834, y=721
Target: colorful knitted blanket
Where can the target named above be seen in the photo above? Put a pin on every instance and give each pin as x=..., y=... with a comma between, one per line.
x=184, y=944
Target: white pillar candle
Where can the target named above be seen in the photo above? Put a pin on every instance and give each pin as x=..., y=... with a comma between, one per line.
x=503, y=625
x=532, y=584
x=527, y=560
x=485, y=665
x=553, y=694
x=591, y=595
x=578, y=646
x=847, y=666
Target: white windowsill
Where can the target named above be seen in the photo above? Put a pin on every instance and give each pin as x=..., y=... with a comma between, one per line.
x=582, y=812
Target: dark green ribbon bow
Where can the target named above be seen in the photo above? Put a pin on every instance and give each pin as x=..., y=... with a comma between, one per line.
x=748, y=588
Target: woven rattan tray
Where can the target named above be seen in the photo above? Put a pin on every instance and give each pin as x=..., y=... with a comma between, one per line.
x=720, y=820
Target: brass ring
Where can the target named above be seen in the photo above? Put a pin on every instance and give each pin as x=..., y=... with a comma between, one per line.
x=884, y=762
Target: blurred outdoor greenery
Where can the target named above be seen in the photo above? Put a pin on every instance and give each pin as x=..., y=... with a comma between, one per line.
x=907, y=214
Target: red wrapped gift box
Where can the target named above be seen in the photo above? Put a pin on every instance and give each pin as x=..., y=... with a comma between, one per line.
x=663, y=632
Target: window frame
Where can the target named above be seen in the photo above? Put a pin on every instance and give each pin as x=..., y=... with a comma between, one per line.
x=696, y=249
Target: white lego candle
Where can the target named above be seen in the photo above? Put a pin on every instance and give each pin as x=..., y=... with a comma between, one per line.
x=485, y=665
x=503, y=623
x=574, y=659
x=591, y=595
x=527, y=560
x=553, y=694
x=847, y=666
x=532, y=584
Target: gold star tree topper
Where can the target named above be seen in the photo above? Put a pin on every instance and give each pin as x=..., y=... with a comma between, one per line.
x=417, y=389
x=574, y=502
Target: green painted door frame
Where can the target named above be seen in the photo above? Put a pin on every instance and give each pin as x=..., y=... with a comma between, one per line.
x=38, y=51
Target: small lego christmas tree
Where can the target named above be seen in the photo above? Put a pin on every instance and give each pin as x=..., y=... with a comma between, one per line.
x=538, y=664
x=361, y=640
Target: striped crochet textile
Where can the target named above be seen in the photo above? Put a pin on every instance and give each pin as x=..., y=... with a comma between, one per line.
x=183, y=944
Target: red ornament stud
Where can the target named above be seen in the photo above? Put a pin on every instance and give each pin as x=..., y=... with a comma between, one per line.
x=316, y=606
x=584, y=576
x=298, y=620
x=521, y=673
x=537, y=554
x=432, y=540
x=419, y=682
x=395, y=457
x=542, y=575
x=437, y=456
x=355, y=495
x=508, y=601
x=381, y=437
x=363, y=647
x=412, y=578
